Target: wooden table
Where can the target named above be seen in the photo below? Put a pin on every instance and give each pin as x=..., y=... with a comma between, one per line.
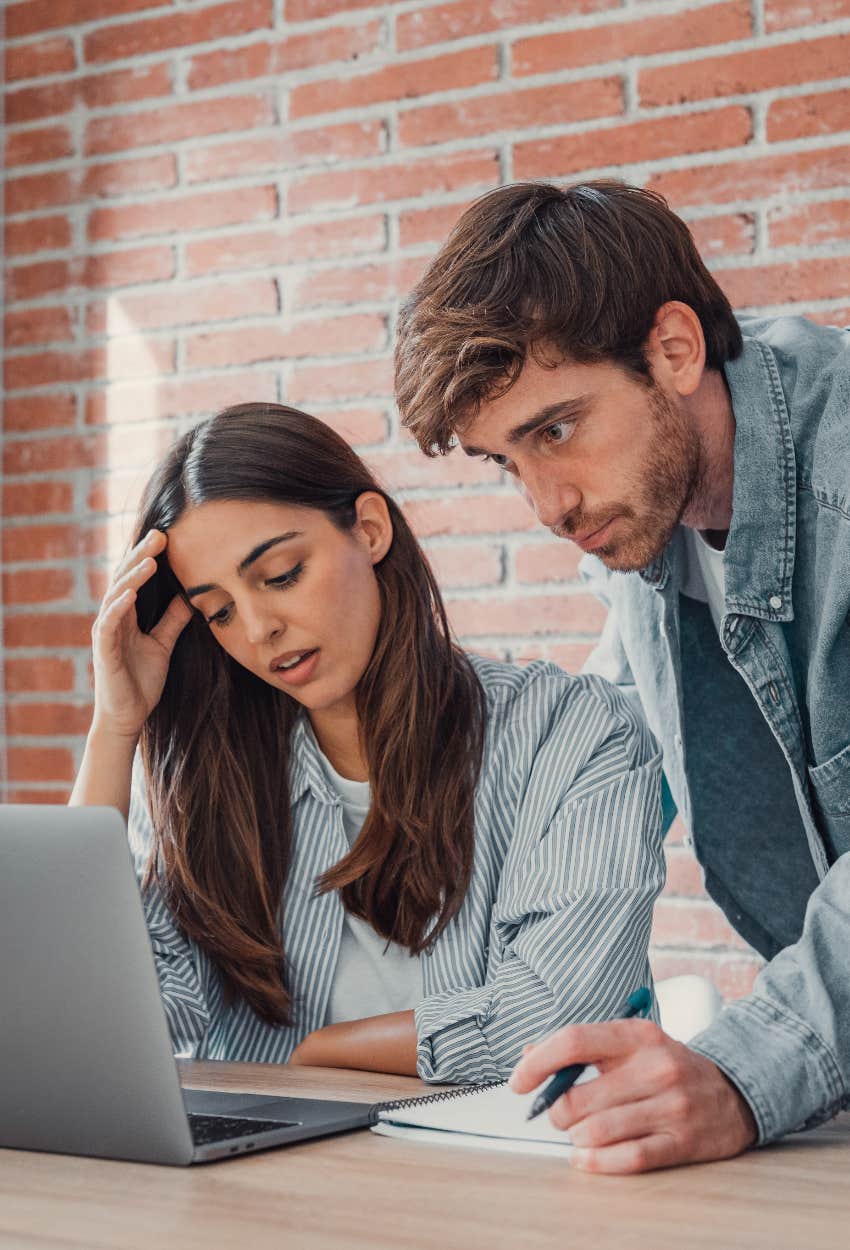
x=364, y=1192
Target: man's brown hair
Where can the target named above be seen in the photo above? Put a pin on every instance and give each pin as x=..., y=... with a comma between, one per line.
x=529, y=266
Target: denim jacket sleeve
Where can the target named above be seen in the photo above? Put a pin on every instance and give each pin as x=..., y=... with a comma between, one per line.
x=570, y=930
x=787, y=1046
x=181, y=989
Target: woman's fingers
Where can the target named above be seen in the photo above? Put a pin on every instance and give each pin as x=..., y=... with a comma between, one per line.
x=171, y=624
x=134, y=577
x=108, y=627
x=153, y=544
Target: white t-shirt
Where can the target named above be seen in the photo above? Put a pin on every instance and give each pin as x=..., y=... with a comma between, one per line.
x=372, y=977
x=704, y=576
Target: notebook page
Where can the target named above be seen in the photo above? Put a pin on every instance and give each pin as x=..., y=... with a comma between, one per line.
x=505, y=1145
x=496, y=1113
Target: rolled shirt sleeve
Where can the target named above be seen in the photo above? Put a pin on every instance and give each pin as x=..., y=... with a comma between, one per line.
x=570, y=929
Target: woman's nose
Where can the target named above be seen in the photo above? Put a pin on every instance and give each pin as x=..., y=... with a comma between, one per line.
x=261, y=625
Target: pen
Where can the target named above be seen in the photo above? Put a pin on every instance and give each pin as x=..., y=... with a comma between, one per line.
x=637, y=1004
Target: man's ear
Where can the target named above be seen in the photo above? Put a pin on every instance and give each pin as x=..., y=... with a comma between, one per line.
x=675, y=348
x=374, y=524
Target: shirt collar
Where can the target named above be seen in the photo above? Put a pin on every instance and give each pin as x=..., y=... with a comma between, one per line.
x=305, y=767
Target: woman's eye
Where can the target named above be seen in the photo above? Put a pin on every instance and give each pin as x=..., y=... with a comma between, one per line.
x=224, y=615
x=288, y=578
x=220, y=617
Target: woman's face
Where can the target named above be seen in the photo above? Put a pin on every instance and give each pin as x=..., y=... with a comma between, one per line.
x=287, y=594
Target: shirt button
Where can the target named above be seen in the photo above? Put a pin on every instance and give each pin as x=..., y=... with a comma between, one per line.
x=775, y=602
x=677, y=742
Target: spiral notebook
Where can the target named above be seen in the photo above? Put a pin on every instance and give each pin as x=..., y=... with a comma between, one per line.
x=489, y=1117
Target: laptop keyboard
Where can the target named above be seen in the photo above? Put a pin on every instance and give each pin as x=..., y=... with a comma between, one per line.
x=212, y=1128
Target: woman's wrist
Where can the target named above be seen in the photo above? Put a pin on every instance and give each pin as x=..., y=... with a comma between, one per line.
x=375, y=1044
x=106, y=769
x=105, y=735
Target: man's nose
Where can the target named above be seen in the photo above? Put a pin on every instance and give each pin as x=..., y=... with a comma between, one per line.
x=551, y=498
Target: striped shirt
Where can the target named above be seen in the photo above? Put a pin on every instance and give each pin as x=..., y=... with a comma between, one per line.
x=555, y=925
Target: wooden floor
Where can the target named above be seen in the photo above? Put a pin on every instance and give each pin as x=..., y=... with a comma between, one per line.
x=376, y=1193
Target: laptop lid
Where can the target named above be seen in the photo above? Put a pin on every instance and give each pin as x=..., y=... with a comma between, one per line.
x=85, y=1054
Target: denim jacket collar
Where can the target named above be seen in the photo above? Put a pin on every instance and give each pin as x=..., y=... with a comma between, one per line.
x=759, y=556
x=759, y=559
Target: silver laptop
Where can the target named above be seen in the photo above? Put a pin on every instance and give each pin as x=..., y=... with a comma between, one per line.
x=85, y=1055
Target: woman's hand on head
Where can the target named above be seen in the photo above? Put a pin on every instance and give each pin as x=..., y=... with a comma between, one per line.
x=130, y=667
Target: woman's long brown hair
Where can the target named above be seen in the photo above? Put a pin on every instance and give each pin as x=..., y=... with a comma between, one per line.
x=216, y=748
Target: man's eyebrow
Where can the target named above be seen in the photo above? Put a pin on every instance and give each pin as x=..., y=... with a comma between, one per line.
x=251, y=558
x=563, y=410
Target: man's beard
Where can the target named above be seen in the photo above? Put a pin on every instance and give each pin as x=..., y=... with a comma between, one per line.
x=670, y=477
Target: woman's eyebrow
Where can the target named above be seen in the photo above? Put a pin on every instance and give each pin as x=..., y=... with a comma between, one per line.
x=251, y=558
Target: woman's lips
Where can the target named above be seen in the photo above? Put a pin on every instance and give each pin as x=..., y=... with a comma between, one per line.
x=300, y=672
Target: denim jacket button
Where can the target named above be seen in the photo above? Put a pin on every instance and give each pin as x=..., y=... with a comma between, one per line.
x=775, y=602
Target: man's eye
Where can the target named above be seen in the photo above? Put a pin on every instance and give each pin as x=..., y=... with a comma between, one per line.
x=502, y=461
x=559, y=432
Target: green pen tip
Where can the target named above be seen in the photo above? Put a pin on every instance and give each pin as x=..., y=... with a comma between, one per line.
x=641, y=1000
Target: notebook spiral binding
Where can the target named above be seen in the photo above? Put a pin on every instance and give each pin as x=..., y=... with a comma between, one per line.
x=445, y=1095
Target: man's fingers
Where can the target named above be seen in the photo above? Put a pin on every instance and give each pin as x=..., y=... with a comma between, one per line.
x=581, y=1043
x=641, y=1075
x=625, y=1122
x=171, y=624
x=642, y=1154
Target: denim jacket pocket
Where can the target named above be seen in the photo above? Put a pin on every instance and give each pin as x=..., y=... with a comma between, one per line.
x=830, y=784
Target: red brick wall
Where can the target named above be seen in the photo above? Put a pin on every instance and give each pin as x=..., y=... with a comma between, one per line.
x=214, y=201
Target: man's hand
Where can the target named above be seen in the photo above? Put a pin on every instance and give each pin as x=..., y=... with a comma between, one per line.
x=655, y=1103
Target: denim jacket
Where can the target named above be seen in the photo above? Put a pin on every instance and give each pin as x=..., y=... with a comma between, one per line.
x=755, y=724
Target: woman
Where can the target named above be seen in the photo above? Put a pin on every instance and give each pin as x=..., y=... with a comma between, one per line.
x=360, y=846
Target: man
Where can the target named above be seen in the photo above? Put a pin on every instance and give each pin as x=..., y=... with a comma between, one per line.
x=575, y=337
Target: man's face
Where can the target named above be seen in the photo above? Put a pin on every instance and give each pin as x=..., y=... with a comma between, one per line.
x=603, y=458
